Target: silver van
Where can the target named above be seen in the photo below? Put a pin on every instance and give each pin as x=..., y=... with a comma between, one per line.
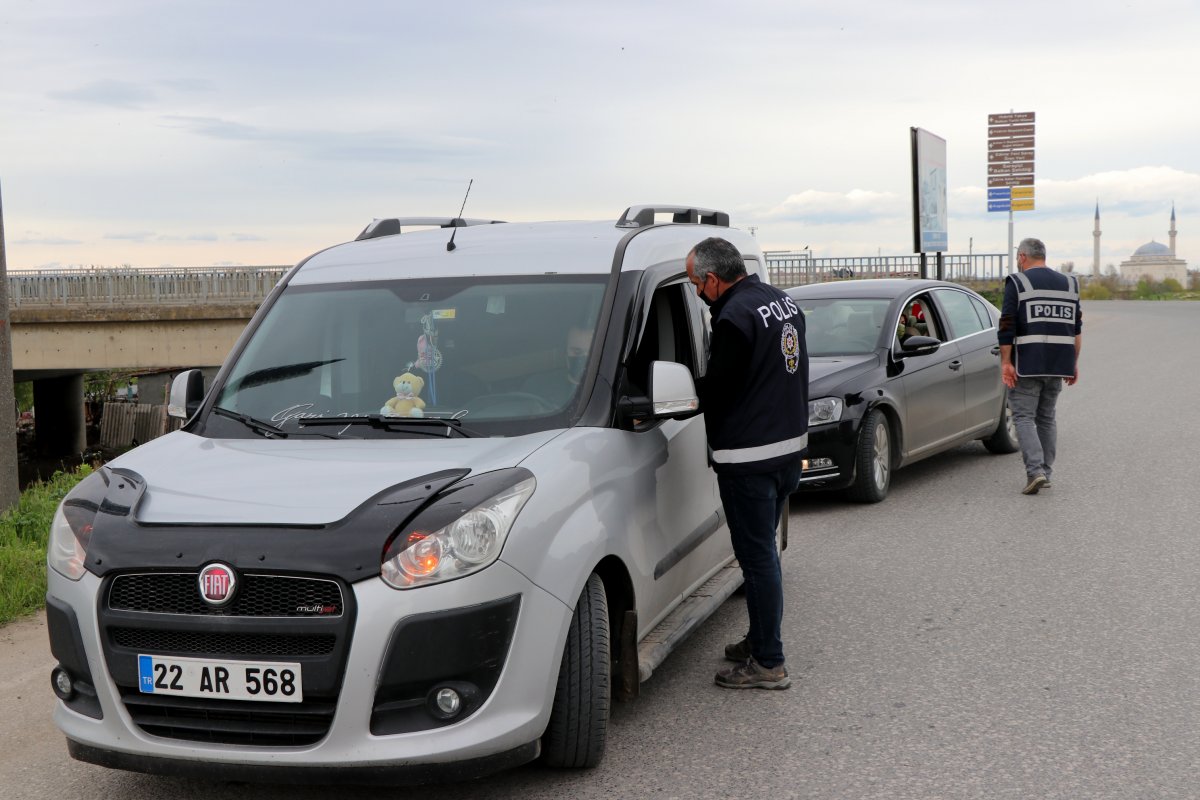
x=447, y=497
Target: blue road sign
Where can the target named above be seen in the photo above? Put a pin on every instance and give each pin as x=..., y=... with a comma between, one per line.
x=1000, y=193
x=1000, y=205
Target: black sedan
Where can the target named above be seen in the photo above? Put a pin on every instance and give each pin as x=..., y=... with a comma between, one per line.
x=898, y=370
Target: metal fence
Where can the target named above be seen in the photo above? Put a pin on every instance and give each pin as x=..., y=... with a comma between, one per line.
x=796, y=267
x=128, y=286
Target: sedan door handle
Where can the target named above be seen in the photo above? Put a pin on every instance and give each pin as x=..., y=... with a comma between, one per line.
x=955, y=365
x=996, y=350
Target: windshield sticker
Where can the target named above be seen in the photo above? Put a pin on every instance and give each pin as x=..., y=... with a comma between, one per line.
x=444, y=313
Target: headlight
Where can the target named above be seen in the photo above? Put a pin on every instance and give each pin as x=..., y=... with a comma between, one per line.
x=473, y=540
x=824, y=410
x=71, y=529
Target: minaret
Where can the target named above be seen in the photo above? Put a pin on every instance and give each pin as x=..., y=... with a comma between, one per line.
x=1096, y=245
x=1172, y=231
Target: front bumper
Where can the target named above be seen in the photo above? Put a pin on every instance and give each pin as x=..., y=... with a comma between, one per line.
x=368, y=738
x=836, y=443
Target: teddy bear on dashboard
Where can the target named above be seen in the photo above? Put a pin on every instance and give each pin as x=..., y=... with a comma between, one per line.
x=407, y=402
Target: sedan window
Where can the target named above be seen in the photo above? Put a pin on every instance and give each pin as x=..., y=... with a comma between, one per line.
x=964, y=321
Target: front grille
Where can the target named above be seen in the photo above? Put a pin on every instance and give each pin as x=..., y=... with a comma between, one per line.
x=230, y=721
x=258, y=596
x=272, y=618
x=209, y=643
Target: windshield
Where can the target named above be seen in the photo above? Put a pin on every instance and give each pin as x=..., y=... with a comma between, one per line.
x=843, y=326
x=498, y=357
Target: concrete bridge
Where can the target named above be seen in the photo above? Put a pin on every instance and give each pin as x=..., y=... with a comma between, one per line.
x=69, y=322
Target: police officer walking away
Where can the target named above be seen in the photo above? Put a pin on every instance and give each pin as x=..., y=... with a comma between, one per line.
x=1041, y=333
x=754, y=396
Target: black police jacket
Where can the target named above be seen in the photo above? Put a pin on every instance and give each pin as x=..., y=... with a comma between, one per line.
x=754, y=393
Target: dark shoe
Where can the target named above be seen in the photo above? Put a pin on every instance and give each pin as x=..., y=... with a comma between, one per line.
x=1035, y=483
x=749, y=675
x=738, y=651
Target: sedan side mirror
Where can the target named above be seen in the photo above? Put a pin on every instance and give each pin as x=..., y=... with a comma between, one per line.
x=918, y=346
x=187, y=393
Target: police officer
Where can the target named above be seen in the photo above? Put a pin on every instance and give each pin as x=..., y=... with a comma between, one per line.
x=754, y=396
x=1041, y=333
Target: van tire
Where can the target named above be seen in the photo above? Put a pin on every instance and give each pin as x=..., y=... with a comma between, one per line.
x=578, y=725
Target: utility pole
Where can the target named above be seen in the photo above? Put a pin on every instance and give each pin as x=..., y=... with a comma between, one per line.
x=10, y=488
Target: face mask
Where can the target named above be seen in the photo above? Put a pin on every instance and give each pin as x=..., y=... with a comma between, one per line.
x=575, y=365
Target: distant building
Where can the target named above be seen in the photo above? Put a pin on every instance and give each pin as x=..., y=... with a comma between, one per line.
x=1152, y=260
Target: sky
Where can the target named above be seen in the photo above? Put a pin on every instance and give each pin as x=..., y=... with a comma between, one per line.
x=257, y=132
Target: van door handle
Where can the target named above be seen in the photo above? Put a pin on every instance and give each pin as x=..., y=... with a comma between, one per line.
x=996, y=350
x=955, y=365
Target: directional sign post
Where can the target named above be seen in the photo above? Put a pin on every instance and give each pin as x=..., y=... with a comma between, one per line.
x=1010, y=165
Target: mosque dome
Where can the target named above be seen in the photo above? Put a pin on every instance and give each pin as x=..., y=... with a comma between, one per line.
x=1152, y=249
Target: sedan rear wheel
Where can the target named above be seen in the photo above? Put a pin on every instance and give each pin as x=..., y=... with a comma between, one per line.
x=1004, y=439
x=873, y=461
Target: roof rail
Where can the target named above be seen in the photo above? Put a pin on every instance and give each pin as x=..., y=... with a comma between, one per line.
x=641, y=216
x=392, y=225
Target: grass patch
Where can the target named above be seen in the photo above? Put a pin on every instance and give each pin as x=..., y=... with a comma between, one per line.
x=24, y=531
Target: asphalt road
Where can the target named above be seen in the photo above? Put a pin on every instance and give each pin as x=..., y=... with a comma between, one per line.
x=959, y=640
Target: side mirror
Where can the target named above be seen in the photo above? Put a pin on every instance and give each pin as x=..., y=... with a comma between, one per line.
x=918, y=346
x=672, y=395
x=187, y=392
x=672, y=390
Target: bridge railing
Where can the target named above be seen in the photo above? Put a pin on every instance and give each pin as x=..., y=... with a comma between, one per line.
x=798, y=267
x=129, y=286
x=142, y=286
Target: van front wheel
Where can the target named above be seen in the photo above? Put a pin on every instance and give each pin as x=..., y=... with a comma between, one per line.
x=578, y=725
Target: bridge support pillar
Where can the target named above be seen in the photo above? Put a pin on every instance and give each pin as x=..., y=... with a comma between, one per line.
x=59, y=428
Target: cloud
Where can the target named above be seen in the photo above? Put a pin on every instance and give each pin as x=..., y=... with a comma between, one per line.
x=46, y=240
x=117, y=94
x=832, y=208
x=132, y=236
x=246, y=237
x=328, y=145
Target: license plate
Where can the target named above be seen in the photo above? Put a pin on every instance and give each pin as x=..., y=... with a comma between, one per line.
x=274, y=681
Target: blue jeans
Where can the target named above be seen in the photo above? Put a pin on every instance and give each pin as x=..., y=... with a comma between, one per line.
x=753, y=505
x=1032, y=402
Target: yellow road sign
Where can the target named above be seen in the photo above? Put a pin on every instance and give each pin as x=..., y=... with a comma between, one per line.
x=1023, y=204
x=1022, y=191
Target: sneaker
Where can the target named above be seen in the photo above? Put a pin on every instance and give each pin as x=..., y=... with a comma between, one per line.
x=1035, y=483
x=738, y=651
x=1046, y=485
x=750, y=675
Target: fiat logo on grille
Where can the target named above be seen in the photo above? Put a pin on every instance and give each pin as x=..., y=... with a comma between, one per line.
x=217, y=584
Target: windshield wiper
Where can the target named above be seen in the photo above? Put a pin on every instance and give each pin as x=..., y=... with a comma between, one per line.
x=384, y=422
x=256, y=425
x=272, y=374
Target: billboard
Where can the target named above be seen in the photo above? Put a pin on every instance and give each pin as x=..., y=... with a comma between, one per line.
x=930, y=233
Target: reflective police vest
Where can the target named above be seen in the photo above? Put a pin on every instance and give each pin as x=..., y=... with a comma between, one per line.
x=1046, y=323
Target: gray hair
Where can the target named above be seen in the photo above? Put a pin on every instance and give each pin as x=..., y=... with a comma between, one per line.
x=1034, y=248
x=720, y=257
